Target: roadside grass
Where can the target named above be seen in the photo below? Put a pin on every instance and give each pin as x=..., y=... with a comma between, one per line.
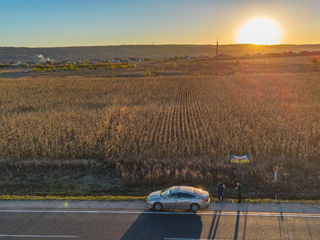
x=79, y=198
x=135, y=198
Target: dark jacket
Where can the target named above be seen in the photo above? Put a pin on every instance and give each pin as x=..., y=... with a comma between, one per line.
x=220, y=187
x=239, y=189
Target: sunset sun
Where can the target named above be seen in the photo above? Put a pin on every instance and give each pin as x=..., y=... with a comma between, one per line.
x=259, y=31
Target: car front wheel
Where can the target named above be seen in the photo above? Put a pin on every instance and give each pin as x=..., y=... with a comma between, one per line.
x=194, y=207
x=157, y=207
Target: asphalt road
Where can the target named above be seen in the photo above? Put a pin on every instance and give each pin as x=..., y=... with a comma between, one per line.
x=129, y=223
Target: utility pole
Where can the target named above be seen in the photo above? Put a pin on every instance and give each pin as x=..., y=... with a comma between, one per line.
x=217, y=51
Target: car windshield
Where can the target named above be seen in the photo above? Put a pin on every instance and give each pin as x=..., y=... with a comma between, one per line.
x=166, y=192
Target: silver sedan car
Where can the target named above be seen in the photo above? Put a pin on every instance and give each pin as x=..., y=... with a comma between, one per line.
x=179, y=197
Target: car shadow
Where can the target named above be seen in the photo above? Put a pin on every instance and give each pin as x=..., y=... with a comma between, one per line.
x=165, y=225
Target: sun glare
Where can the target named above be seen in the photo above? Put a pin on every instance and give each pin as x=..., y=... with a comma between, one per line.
x=259, y=31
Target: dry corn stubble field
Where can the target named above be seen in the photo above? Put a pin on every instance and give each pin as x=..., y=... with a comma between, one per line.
x=172, y=129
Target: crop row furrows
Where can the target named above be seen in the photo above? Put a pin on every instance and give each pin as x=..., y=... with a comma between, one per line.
x=210, y=119
x=155, y=125
x=163, y=131
x=188, y=122
x=170, y=125
x=156, y=112
x=199, y=117
x=176, y=120
x=190, y=127
x=182, y=137
x=193, y=123
x=142, y=128
x=110, y=123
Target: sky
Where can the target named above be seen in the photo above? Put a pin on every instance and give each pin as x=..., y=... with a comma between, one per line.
x=50, y=23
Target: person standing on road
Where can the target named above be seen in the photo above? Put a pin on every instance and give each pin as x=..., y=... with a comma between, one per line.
x=221, y=187
x=238, y=190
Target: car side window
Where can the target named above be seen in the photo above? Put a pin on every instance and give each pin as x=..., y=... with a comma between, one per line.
x=174, y=195
x=186, y=195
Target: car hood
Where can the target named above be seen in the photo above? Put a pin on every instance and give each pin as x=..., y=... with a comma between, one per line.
x=154, y=195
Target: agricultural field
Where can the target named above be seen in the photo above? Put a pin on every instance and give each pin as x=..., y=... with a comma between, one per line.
x=163, y=123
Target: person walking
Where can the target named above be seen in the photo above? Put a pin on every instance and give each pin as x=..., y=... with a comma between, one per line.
x=221, y=188
x=238, y=190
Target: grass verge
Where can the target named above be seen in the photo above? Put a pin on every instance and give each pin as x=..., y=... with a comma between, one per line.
x=79, y=198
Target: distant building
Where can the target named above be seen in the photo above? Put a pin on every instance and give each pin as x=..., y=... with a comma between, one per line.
x=203, y=57
x=115, y=60
x=271, y=54
x=305, y=52
x=96, y=61
x=133, y=59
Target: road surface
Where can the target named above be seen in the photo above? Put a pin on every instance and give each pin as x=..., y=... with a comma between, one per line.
x=130, y=220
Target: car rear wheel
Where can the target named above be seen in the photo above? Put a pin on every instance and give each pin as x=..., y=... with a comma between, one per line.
x=194, y=207
x=157, y=207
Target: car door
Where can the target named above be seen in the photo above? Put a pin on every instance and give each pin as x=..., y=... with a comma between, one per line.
x=185, y=200
x=170, y=201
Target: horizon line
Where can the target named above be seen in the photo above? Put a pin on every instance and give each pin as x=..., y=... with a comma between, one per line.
x=164, y=44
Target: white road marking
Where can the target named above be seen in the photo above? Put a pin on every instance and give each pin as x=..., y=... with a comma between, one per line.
x=37, y=236
x=240, y=213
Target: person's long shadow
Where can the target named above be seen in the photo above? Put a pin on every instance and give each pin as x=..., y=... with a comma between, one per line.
x=214, y=224
x=236, y=228
x=165, y=225
x=245, y=225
